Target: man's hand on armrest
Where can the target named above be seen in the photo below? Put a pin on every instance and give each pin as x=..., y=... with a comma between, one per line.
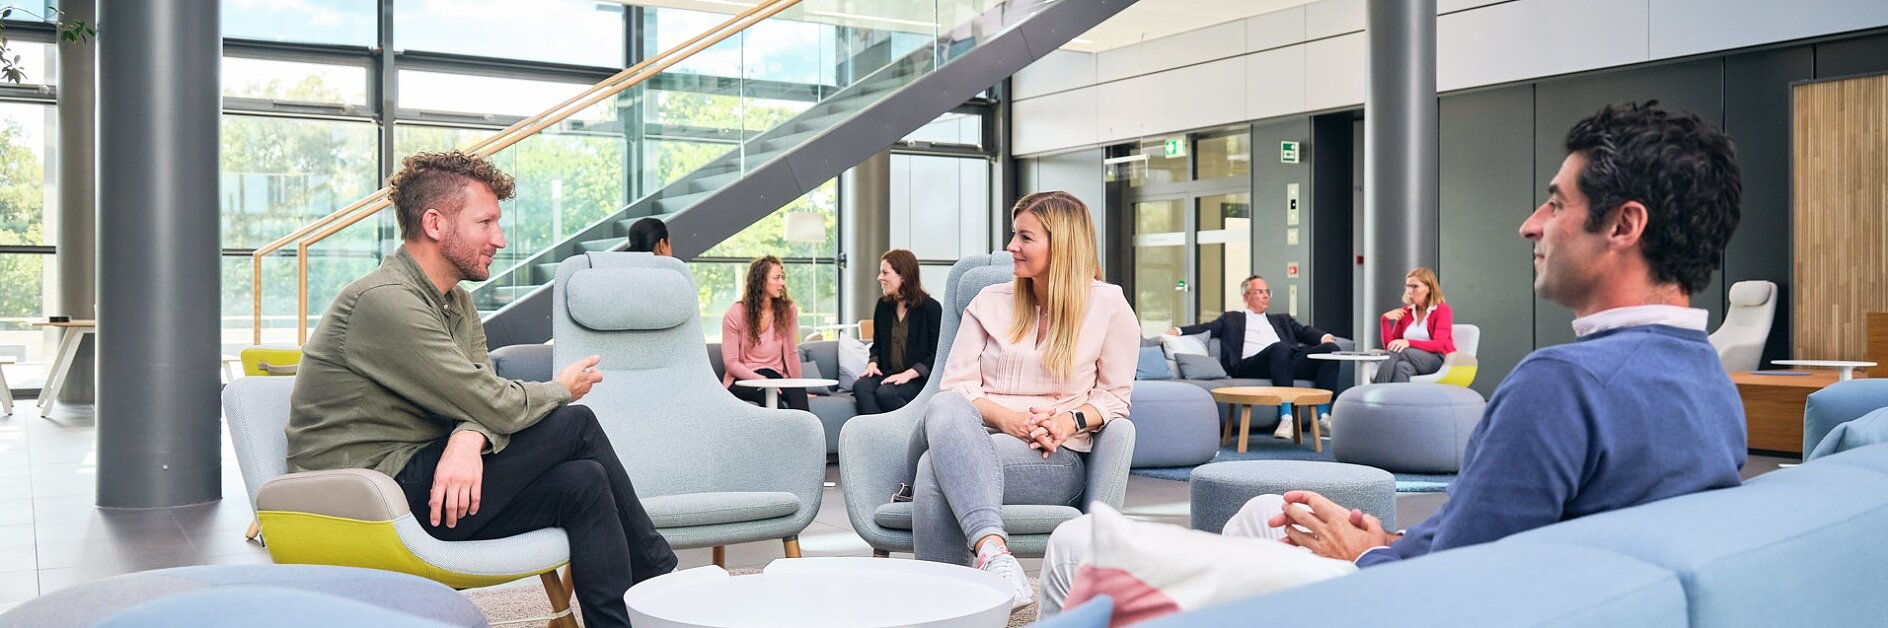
x=580, y=376
x=458, y=479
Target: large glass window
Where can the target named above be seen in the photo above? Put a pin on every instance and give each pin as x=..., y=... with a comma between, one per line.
x=27, y=207
x=813, y=285
x=1225, y=156
x=774, y=50
x=940, y=206
x=580, y=32
x=268, y=79
x=444, y=92
x=282, y=173
x=951, y=128
x=346, y=22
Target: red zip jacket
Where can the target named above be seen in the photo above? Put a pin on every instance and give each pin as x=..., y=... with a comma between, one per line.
x=1441, y=325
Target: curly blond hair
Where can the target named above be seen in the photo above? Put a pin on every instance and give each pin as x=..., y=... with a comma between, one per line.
x=437, y=181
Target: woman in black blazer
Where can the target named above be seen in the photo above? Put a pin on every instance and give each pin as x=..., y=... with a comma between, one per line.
x=904, y=337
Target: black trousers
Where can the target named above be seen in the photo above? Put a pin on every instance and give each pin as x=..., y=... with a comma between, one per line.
x=794, y=398
x=874, y=396
x=559, y=473
x=1283, y=367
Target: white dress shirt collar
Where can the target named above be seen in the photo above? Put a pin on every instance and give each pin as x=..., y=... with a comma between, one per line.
x=1636, y=315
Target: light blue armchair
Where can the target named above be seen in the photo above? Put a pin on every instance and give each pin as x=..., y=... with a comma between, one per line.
x=872, y=448
x=711, y=469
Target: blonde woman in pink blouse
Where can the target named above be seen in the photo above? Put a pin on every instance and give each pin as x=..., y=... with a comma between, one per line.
x=1039, y=366
x=760, y=335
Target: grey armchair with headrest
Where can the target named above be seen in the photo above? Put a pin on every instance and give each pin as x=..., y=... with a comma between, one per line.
x=1740, y=340
x=872, y=448
x=711, y=469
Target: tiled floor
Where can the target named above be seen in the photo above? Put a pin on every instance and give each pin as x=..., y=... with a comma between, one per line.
x=51, y=535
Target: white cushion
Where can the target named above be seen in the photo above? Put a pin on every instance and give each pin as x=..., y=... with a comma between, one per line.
x=853, y=356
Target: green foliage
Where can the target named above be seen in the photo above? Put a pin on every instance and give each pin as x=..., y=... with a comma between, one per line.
x=22, y=202
x=69, y=30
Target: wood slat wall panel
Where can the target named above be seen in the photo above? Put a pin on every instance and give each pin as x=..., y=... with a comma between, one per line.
x=1840, y=208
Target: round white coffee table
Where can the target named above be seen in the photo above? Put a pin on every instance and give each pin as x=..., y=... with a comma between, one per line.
x=836, y=592
x=1366, y=362
x=1846, y=367
x=773, y=386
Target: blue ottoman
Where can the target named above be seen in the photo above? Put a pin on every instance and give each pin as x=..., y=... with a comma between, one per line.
x=366, y=596
x=1220, y=489
x=1406, y=428
x=1177, y=424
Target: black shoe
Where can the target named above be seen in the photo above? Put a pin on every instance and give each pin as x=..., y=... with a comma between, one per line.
x=903, y=494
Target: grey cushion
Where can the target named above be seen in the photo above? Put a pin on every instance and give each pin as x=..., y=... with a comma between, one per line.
x=1871, y=429
x=701, y=509
x=1178, y=422
x=1405, y=427
x=531, y=363
x=1152, y=365
x=1219, y=490
x=1017, y=519
x=664, y=299
x=1200, y=366
x=833, y=411
x=89, y=603
x=811, y=370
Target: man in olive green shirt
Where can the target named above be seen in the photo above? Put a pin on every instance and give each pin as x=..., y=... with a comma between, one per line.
x=397, y=379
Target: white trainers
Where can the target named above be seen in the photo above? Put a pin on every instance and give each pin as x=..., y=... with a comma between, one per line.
x=1287, y=424
x=1005, y=566
x=1324, y=424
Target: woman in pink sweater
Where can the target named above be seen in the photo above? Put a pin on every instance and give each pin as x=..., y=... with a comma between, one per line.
x=760, y=335
x=1419, y=334
x=1039, y=365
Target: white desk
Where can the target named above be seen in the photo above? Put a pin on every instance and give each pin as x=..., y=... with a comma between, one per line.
x=70, y=335
x=773, y=386
x=1845, y=368
x=1366, y=363
x=836, y=592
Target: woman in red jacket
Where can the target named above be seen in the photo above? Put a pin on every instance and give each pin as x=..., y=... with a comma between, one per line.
x=1418, y=334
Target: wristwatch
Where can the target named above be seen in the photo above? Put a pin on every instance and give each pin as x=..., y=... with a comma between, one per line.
x=1081, y=422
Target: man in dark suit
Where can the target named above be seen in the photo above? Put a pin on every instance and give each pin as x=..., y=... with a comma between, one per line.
x=1257, y=345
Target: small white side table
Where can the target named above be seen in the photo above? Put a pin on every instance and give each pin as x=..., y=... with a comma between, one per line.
x=837, y=592
x=70, y=333
x=1366, y=362
x=1846, y=368
x=773, y=386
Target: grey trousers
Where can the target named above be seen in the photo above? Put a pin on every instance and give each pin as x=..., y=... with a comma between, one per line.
x=1407, y=363
x=964, y=473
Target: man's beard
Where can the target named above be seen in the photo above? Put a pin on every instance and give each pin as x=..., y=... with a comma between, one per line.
x=465, y=259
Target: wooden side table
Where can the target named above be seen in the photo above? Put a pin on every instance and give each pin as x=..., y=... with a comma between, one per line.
x=1773, y=407
x=1242, y=398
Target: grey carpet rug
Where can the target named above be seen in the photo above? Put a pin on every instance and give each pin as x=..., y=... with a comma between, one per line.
x=519, y=605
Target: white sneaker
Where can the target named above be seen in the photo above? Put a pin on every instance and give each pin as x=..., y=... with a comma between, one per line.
x=1005, y=566
x=1287, y=424
x=1324, y=424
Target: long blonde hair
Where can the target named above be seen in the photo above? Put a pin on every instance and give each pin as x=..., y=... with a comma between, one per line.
x=1072, y=265
x=1428, y=278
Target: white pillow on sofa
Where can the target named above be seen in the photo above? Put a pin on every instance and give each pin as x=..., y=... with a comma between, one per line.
x=1178, y=345
x=853, y=356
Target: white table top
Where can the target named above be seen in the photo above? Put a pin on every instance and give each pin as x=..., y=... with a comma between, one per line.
x=1353, y=357
x=1824, y=363
x=803, y=382
x=838, y=592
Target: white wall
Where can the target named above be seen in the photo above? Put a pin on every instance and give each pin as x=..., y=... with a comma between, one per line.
x=1312, y=58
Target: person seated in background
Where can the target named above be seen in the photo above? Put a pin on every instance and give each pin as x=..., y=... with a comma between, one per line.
x=649, y=235
x=397, y=379
x=1637, y=409
x=760, y=335
x=1257, y=345
x=906, y=322
x=1420, y=333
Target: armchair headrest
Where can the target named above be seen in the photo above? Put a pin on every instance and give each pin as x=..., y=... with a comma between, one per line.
x=1752, y=293
x=630, y=298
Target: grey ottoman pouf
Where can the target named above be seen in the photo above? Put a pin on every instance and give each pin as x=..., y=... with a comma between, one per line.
x=396, y=593
x=1176, y=424
x=1407, y=428
x=1220, y=489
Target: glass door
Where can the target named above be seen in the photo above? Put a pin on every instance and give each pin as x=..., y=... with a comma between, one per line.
x=1224, y=234
x=1161, y=283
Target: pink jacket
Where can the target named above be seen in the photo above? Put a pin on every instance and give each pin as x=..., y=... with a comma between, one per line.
x=740, y=359
x=1441, y=326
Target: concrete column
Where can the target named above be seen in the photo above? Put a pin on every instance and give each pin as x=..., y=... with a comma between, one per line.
x=77, y=287
x=158, y=434
x=865, y=207
x=1401, y=193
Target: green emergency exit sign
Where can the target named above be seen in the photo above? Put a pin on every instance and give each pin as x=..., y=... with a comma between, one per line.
x=1176, y=147
x=1287, y=152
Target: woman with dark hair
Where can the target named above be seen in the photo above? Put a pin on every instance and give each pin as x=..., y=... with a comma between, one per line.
x=649, y=235
x=905, y=323
x=760, y=335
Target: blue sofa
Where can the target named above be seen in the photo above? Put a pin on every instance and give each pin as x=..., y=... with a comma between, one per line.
x=1803, y=546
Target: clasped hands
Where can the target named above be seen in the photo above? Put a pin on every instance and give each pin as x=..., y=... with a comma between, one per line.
x=1043, y=428
x=1316, y=523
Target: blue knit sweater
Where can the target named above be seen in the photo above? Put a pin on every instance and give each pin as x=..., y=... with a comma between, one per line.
x=1617, y=419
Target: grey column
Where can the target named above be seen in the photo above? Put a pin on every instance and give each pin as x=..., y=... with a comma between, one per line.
x=78, y=198
x=1401, y=194
x=157, y=241
x=865, y=194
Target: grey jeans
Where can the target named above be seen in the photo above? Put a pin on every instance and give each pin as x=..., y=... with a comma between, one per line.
x=964, y=473
x=1407, y=363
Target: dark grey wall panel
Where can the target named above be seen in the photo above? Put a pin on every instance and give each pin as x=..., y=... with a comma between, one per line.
x=1488, y=183
x=1863, y=55
x=1270, y=180
x=1696, y=87
x=1332, y=243
x=1757, y=116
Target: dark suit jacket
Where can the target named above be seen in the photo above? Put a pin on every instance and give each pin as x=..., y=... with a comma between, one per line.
x=1230, y=328
x=921, y=333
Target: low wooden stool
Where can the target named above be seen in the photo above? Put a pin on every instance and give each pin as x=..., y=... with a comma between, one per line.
x=1242, y=398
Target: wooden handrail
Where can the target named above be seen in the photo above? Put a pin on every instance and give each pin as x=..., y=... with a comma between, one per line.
x=357, y=211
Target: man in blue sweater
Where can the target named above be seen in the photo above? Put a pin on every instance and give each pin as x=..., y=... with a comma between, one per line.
x=1638, y=409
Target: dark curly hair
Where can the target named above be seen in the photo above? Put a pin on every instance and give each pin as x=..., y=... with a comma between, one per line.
x=1683, y=169
x=754, y=295
x=437, y=181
